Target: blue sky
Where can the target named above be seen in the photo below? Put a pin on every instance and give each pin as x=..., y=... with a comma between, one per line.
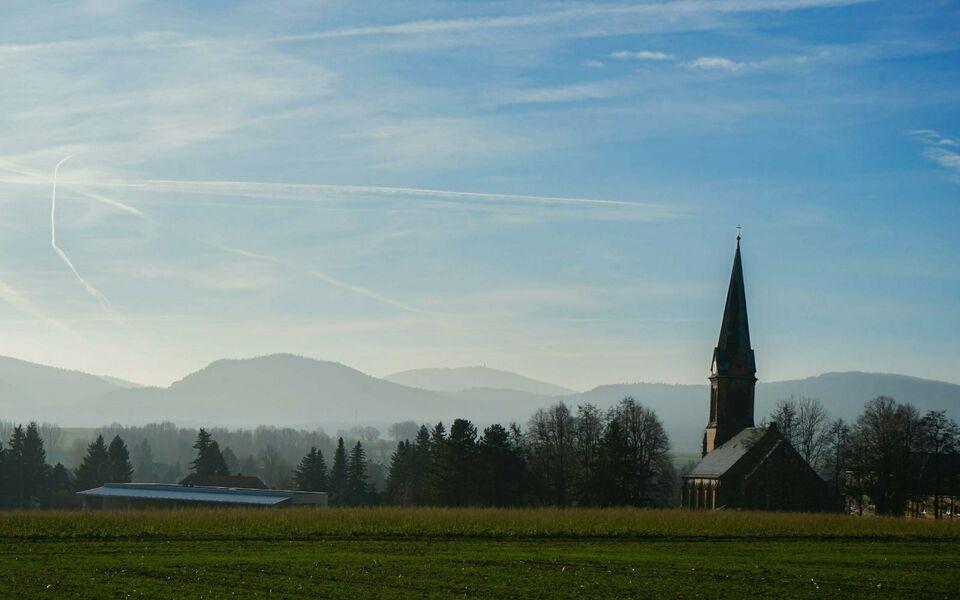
x=550, y=188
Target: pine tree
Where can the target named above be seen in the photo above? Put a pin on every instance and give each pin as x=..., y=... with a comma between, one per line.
x=209, y=460
x=231, y=460
x=61, y=488
x=311, y=473
x=399, y=488
x=14, y=462
x=6, y=488
x=456, y=465
x=119, y=469
x=34, y=468
x=338, y=475
x=217, y=461
x=93, y=471
x=420, y=468
x=358, y=489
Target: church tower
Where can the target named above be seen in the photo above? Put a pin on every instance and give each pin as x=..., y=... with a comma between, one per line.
x=733, y=372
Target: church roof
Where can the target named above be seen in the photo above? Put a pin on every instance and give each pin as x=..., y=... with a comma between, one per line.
x=733, y=354
x=726, y=456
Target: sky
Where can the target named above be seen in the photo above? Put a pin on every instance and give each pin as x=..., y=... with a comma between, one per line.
x=549, y=188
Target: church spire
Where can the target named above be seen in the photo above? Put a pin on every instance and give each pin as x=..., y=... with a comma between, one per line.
x=733, y=354
x=733, y=373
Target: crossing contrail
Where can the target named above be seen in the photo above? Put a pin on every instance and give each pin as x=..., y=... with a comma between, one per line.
x=100, y=298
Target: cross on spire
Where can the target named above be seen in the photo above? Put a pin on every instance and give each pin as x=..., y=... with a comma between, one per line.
x=739, y=229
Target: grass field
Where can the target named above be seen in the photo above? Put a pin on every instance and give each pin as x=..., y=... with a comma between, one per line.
x=474, y=553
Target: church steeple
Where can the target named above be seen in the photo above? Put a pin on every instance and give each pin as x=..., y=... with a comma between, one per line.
x=733, y=354
x=733, y=370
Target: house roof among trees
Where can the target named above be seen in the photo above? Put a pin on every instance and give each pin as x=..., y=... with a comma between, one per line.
x=726, y=456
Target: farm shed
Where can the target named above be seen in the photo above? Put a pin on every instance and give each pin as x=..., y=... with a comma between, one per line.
x=159, y=495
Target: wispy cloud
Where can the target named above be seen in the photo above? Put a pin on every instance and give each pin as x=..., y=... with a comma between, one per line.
x=943, y=150
x=721, y=63
x=641, y=55
x=668, y=15
x=558, y=94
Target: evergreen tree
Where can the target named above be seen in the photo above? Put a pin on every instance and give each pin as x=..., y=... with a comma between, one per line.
x=434, y=468
x=338, y=475
x=61, y=488
x=400, y=480
x=217, y=461
x=209, y=460
x=358, y=488
x=231, y=460
x=420, y=468
x=14, y=467
x=6, y=487
x=119, y=469
x=456, y=465
x=311, y=473
x=34, y=468
x=501, y=471
x=94, y=469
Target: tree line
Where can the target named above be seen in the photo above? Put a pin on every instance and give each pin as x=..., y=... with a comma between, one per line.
x=27, y=481
x=891, y=460
x=588, y=458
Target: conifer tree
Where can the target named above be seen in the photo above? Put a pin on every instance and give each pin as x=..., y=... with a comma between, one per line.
x=61, y=488
x=420, y=468
x=35, y=473
x=358, y=488
x=93, y=470
x=311, y=474
x=338, y=475
x=119, y=469
x=209, y=460
x=399, y=488
x=14, y=467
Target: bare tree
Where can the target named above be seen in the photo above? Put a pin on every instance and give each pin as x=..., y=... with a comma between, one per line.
x=939, y=437
x=806, y=425
x=883, y=439
x=550, y=440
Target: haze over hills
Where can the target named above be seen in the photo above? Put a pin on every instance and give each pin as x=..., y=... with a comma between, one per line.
x=465, y=378
x=288, y=390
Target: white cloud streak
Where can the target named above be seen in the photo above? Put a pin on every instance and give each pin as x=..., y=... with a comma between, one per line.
x=315, y=191
x=365, y=292
x=93, y=291
x=943, y=150
x=641, y=55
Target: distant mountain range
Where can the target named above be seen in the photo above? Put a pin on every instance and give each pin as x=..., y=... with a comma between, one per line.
x=466, y=378
x=284, y=389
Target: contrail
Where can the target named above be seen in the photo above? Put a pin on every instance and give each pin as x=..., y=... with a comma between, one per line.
x=365, y=292
x=100, y=298
x=259, y=189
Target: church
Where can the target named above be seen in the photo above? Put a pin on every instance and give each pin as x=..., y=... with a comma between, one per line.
x=743, y=466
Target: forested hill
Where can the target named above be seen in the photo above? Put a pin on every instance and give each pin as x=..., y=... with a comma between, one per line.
x=287, y=390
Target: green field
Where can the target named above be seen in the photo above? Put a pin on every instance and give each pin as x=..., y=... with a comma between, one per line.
x=473, y=552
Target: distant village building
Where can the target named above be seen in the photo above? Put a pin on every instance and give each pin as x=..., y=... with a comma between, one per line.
x=744, y=466
x=160, y=495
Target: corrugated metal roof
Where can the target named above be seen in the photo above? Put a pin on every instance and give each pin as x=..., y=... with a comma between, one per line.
x=721, y=459
x=214, y=495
